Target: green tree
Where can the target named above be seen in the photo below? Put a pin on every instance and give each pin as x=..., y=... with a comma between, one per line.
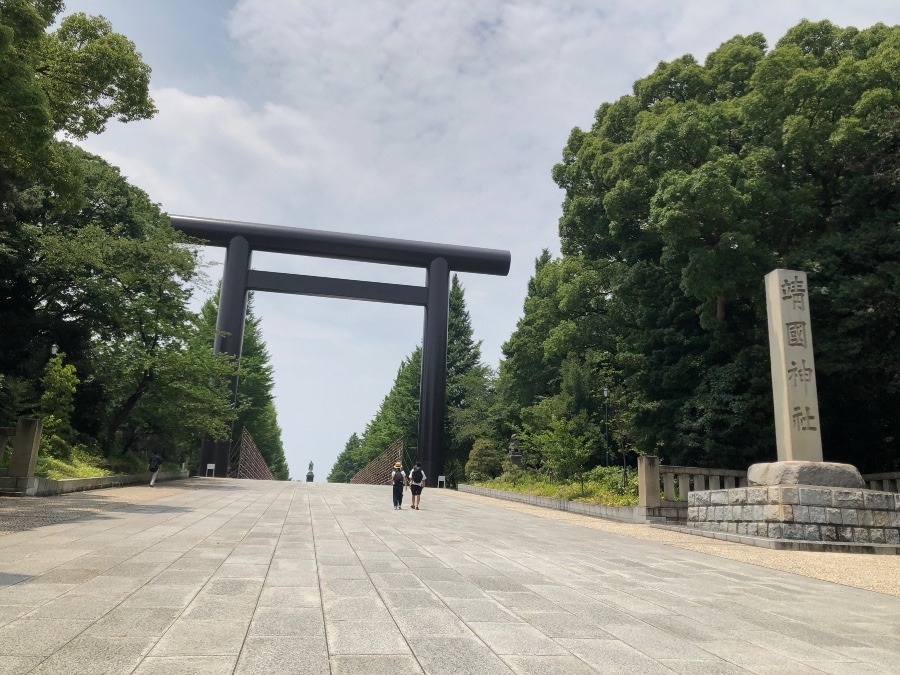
x=345, y=465
x=256, y=404
x=684, y=194
x=59, y=384
x=485, y=461
x=69, y=80
x=469, y=390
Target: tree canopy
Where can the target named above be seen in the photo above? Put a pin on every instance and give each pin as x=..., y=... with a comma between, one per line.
x=678, y=200
x=256, y=401
x=89, y=262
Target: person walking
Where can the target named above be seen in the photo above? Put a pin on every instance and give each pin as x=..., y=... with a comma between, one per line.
x=417, y=480
x=398, y=480
x=155, y=463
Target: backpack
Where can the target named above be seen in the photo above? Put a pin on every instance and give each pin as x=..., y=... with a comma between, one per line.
x=397, y=477
x=416, y=475
x=154, y=463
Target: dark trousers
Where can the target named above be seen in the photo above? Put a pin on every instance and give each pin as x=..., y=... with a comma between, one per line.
x=398, y=494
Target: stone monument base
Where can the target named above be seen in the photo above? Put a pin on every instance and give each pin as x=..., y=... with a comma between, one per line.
x=812, y=513
x=831, y=474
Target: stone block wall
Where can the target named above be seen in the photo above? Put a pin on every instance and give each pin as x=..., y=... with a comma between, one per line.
x=797, y=512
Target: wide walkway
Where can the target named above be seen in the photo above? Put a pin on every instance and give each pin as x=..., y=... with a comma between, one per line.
x=215, y=576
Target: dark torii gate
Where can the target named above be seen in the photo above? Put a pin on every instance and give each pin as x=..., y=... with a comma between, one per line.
x=241, y=239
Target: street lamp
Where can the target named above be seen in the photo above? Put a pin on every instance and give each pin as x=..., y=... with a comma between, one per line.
x=606, y=421
x=54, y=349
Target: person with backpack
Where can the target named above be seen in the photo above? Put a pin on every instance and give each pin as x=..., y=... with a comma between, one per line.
x=155, y=463
x=417, y=479
x=398, y=479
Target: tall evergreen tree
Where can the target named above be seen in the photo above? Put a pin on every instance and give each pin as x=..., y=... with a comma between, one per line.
x=345, y=466
x=256, y=406
x=468, y=389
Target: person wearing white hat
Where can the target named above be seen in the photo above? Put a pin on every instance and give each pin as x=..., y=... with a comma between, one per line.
x=398, y=480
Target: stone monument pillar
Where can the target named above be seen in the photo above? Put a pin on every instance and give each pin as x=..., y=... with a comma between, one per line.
x=797, y=429
x=26, y=444
x=798, y=502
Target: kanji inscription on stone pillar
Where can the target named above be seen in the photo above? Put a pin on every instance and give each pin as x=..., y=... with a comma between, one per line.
x=797, y=427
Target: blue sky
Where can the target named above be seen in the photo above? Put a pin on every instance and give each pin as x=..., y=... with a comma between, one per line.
x=436, y=121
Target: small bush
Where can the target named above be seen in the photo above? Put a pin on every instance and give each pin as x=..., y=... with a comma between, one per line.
x=485, y=461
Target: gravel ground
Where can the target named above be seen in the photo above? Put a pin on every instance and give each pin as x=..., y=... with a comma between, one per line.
x=879, y=573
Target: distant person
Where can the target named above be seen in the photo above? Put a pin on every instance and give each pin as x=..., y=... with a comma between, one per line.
x=155, y=463
x=417, y=480
x=398, y=480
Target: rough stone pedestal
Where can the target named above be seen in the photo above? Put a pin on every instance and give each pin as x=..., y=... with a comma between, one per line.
x=827, y=474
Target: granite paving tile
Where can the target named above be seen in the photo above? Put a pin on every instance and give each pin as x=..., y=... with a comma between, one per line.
x=363, y=636
x=456, y=656
x=18, y=665
x=38, y=637
x=715, y=667
x=92, y=655
x=514, y=638
x=373, y=664
x=613, y=656
x=221, y=637
x=548, y=665
x=130, y=622
x=187, y=665
x=349, y=609
x=562, y=624
x=224, y=575
x=283, y=655
x=287, y=620
x=429, y=621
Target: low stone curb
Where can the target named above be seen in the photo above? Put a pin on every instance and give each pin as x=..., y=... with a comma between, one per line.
x=787, y=544
x=43, y=487
x=626, y=514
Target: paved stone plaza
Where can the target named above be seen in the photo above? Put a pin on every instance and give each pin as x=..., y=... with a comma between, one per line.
x=216, y=576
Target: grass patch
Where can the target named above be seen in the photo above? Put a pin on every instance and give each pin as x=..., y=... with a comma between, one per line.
x=81, y=464
x=84, y=464
x=602, y=485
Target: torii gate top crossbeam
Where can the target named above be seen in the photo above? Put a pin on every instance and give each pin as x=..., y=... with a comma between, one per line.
x=359, y=247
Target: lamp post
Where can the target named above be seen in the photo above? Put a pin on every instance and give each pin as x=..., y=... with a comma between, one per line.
x=54, y=349
x=606, y=421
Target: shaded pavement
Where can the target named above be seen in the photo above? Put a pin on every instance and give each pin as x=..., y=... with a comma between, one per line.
x=224, y=576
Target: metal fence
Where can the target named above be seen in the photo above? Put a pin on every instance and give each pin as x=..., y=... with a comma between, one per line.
x=378, y=471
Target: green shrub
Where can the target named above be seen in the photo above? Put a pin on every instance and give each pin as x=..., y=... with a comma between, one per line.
x=485, y=461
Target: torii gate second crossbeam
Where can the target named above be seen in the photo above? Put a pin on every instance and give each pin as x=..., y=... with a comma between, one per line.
x=241, y=239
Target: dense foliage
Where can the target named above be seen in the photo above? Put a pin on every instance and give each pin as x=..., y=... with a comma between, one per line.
x=679, y=199
x=88, y=262
x=255, y=400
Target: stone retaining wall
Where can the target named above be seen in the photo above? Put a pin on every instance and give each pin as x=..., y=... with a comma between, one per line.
x=34, y=486
x=628, y=514
x=796, y=512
